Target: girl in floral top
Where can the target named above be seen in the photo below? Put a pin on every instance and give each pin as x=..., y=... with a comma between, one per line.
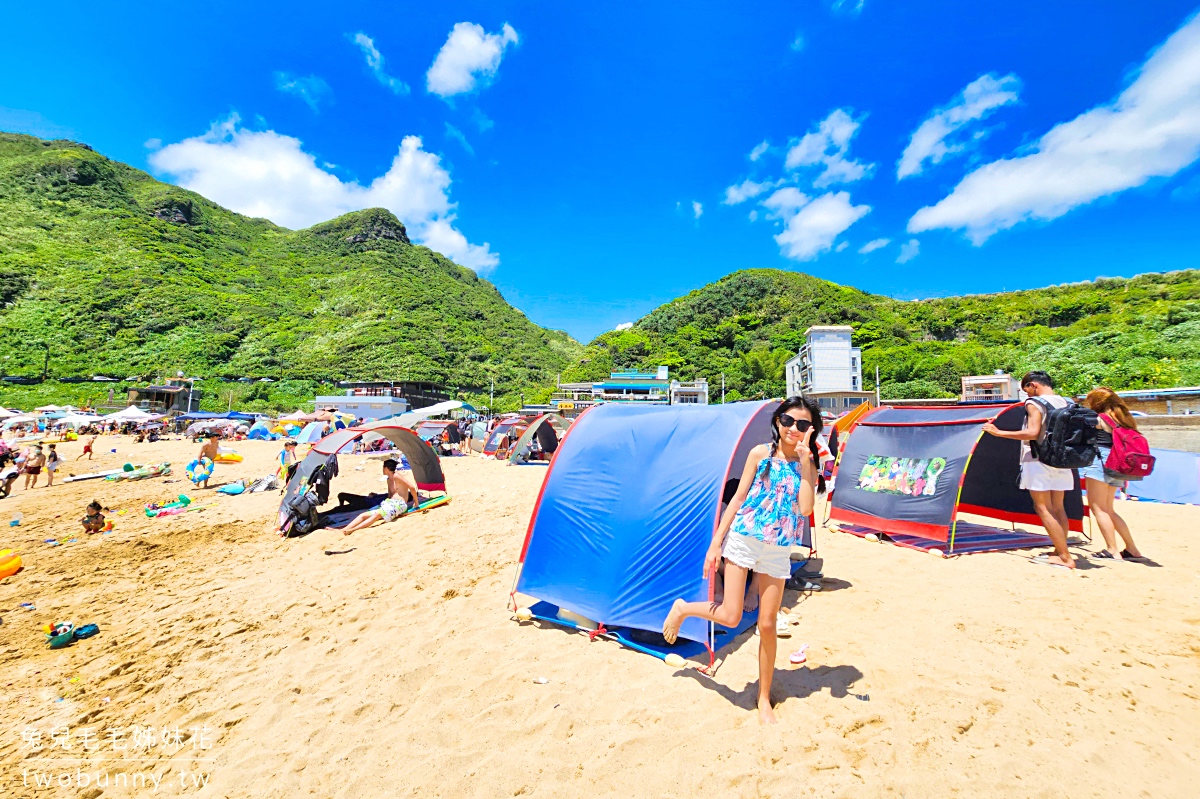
x=764, y=519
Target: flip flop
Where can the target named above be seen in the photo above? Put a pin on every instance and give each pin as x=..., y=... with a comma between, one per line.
x=1135, y=558
x=1044, y=560
x=1104, y=554
x=800, y=655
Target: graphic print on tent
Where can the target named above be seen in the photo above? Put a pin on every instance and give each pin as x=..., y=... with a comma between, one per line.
x=302, y=496
x=909, y=473
x=626, y=513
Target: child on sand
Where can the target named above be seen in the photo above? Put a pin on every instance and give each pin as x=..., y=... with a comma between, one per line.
x=52, y=462
x=210, y=450
x=402, y=495
x=764, y=519
x=87, y=448
x=287, y=461
x=94, y=521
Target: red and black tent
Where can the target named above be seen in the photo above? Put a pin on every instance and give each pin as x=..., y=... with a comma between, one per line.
x=913, y=470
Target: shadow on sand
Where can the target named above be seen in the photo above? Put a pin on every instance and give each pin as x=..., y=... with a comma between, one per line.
x=798, y=683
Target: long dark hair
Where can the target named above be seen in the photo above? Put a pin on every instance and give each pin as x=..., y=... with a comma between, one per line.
x=814, y=410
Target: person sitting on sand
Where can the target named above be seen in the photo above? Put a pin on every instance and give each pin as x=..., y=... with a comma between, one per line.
x=87, y=448
x=402, y=495
x=1047, y=485
x=94, y=521
x=764, y=519
x=210, y=450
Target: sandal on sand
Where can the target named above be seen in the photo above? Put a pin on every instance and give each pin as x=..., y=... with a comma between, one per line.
x=800, y=655
x=1135, y=558
x=1104, y=554
x=1044, y=560
x=782, y=627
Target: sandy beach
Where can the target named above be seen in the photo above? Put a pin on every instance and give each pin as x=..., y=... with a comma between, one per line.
x=395, y=669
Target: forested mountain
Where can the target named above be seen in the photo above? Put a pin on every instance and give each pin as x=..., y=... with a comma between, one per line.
x=113, y=272
x=1141, y=332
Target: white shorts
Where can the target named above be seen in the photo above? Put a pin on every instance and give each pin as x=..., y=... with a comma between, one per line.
x=1037, y=476
x=757, y=556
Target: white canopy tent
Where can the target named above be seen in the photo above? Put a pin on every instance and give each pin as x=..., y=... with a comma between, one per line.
x=7, y=414
x=131, y=414
x=13, y=421
x=79, y=419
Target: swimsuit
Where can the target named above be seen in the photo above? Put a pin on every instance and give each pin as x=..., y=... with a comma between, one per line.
x=768, y=523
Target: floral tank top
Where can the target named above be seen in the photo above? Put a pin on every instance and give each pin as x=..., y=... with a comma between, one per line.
x=770, y=513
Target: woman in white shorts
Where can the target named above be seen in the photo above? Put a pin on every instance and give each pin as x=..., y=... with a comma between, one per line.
x=763, y=520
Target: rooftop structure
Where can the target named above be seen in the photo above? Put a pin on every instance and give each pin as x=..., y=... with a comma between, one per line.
x=175, y=395
x=996, y=387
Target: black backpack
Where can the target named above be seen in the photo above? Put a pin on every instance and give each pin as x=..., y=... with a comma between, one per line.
x=1068, y=437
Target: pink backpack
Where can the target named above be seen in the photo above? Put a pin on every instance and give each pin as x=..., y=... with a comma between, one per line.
x=1130, y=455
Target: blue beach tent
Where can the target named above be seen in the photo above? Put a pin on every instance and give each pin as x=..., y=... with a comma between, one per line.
x=1176, y=478
x=627, y=511
x=260, y=432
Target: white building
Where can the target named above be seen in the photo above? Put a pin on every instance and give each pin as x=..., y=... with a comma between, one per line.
x=693, y=393
x=826, y=363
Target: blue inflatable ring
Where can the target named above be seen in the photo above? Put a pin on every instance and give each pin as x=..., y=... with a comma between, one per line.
x=200, y=470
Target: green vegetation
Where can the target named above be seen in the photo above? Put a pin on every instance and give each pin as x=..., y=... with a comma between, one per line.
x=1137, y=333
x=115, y=273
x=112, y=272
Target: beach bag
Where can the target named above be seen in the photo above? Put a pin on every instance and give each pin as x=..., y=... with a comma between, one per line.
x=1130, y=454
x=303, y=515
x=1068, y=437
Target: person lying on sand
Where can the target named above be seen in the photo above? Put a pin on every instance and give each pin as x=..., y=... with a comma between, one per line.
x=402, y=495
x=756, y=533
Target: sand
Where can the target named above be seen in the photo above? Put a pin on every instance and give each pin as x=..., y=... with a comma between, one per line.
x=395, y=669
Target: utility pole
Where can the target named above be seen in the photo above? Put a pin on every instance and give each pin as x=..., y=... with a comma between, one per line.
x=722, y=388
x=877, y=402
x=46, y=363
x=492, y=399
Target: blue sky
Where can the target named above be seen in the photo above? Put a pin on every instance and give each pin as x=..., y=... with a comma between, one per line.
x=594, y=161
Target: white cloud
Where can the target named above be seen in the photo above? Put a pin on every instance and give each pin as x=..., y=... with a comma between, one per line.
x=798, y=43
x=908, y=250
x=267, y=174
x=753, y=216
x=697, y=209
x=811, y=226
x=979, y=99
x=375, y=62
x=759, y=150
x=457, y=135
x=740, y=192
x=841, y=246
x=469, y=58
x=152, y=144
x=829, y=146
x=872, y=246
x=624, y=326
x=311, y=89
x=851, y=6
x=1152, y=129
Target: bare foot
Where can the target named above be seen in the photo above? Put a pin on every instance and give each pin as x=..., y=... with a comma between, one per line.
x=674, y=619
x=347, y=532
x=766, y=714
x=1056, y=560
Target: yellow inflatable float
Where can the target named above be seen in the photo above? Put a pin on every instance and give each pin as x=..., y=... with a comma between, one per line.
x=10, y=563
x=228, y=457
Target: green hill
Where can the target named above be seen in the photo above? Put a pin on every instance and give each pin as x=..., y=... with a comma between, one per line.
x=1136, y=333
x=113, y=272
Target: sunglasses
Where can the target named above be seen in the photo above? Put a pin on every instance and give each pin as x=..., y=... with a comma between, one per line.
x=802, y=425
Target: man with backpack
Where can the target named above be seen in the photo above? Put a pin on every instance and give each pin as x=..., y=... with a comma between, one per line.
x=1047, y=485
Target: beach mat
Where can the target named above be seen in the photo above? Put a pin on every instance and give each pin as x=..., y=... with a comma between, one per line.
x=969, y=539
x=340, y=518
